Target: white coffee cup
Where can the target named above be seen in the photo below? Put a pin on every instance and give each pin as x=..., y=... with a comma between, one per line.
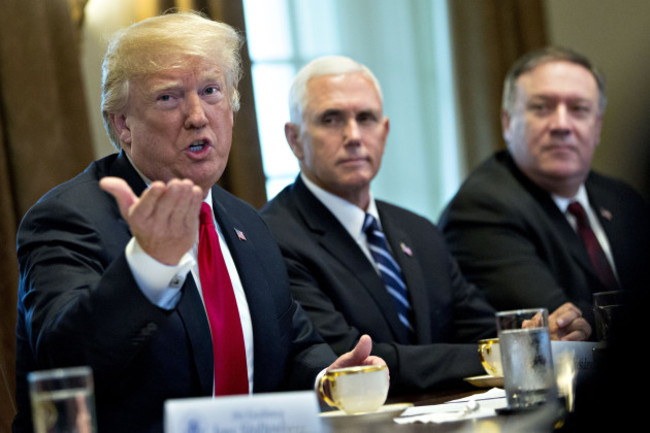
x=355, y=390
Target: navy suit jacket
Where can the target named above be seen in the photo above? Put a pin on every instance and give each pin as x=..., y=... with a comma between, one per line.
x=512, y=241
x=78, y=304
x=345, y=297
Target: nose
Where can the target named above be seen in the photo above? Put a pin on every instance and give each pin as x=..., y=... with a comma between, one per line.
x=560, y=120
x=195, y=117
x=352, y=133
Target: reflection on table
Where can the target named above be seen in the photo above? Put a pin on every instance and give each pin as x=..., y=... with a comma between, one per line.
x=543, y=419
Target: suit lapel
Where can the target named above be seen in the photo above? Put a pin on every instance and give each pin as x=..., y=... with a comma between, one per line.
x=605, y=215
x=400, y=243
x=122, y=168
x=568, y=236
x=334, y=239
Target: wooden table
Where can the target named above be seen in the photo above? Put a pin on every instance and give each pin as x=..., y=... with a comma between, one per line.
x=542, y=422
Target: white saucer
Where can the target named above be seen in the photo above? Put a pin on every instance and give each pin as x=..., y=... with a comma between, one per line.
x=486, y=381
x=387, y=411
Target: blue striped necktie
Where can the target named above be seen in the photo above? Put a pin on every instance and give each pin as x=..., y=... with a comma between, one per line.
x=389, y=269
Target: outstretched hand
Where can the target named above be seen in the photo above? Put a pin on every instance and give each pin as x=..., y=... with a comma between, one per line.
x=164, y=219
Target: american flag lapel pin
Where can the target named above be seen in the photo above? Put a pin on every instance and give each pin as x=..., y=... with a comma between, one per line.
x=406, y=249
x=606, y=214
x=240, y=234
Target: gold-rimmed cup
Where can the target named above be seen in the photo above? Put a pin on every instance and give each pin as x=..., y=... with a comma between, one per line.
x=490, y=356
x=355, y=390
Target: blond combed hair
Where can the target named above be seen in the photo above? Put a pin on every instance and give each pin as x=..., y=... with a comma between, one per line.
x=169, y=41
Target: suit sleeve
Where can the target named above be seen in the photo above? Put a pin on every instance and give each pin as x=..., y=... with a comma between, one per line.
x=500, y=251
x=78, y=301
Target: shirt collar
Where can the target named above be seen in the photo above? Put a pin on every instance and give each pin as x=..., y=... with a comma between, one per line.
x=581, y=197
x=349, y=215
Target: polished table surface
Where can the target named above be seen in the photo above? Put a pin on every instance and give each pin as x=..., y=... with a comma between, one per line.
x=538, y=421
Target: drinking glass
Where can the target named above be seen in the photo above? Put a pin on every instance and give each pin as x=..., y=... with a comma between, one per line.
x=608, y=307
x=63, y=400
x=526, y=359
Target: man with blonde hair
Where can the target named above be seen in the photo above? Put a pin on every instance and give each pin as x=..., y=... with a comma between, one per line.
x=111, y=273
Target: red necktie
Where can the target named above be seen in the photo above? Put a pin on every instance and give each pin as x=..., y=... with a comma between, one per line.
x=230, y=370
x=596, y=253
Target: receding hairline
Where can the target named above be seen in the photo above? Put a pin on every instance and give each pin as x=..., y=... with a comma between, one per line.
x=551, y=54
x=322, y=67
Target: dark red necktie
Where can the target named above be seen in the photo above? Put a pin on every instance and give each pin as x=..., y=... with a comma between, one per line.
x=596, y=253
x=230, y=370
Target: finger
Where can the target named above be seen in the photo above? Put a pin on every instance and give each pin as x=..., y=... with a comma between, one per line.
x=122, y=192
x=362, y=350
x=580, y=329
x=566, y=314
x=148, y=205
x=533, y=322
x=578, y=335
x=186, y=201
x=356, y=356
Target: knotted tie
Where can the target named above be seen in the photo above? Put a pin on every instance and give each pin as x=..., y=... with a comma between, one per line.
x=596, y=253
x=388, y=268
x=230, y=370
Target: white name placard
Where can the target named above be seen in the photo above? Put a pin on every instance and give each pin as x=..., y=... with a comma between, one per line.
x=290, y=412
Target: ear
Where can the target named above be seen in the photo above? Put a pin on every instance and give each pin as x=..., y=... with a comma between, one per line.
x=597, y=128
x=505, y=125
x=386, y=126
x=122, y=129
x=292, y=134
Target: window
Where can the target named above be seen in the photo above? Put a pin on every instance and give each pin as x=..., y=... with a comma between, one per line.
x=406, y=45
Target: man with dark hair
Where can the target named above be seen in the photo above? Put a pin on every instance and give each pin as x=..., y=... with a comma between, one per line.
x=534, y=226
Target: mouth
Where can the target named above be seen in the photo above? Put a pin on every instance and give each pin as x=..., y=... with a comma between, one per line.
x=354, y=160
x=199, y=150
x=198, y=146
x=560, y=147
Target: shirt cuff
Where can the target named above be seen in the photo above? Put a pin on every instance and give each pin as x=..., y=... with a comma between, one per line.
x=159, y=283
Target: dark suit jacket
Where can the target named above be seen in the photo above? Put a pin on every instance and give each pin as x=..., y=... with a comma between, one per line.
x=78, y=304
x=512, y=241
x=345, y=297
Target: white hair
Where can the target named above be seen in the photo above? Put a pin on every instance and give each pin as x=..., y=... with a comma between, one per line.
x=328, y=65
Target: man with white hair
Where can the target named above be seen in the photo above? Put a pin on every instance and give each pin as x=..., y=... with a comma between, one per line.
x=359, y=265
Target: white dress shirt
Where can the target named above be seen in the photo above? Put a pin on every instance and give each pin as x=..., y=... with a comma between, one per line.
x=161, y=283
x=349, y=215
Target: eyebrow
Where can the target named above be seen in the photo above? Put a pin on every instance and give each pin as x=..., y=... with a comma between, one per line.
x=572, y=98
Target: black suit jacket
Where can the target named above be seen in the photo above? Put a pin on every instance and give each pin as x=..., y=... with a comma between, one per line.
x=345, y=297
x=78, y=304
x=513, y=242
